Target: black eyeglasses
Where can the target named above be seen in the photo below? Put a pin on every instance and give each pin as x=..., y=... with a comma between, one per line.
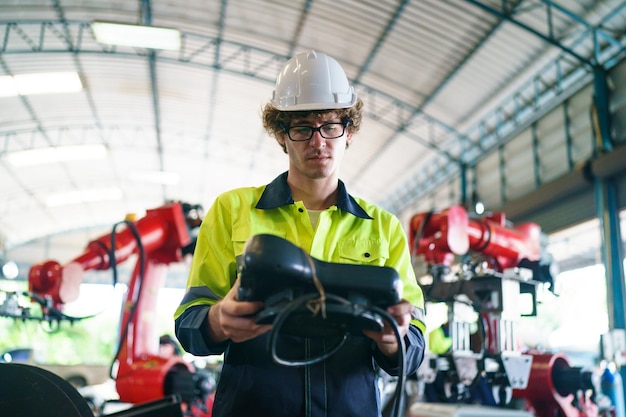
x=327, y=131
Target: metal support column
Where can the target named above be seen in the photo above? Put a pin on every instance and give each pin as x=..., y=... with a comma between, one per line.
x=607, y=211
x=463, y=185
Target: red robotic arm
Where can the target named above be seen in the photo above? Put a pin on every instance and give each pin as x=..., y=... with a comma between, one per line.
x=553, y=386
x=441, y=236
x=157, y=239
x=162, y=233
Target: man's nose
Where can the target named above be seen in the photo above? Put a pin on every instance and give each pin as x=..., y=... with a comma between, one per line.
x=317, y=141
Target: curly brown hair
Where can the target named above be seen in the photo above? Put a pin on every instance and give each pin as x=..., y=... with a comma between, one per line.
x=275, y=120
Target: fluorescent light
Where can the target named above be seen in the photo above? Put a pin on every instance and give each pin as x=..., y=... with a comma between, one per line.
x=8, y=87
x=84, y=196
x=40, y=83
x=156, y=177
x=56, y=154
x=124, y=34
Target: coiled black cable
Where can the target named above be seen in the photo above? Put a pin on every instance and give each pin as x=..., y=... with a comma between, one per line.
x=285, y=313
x=398, y=405
x=141, y=273
x=299, y=302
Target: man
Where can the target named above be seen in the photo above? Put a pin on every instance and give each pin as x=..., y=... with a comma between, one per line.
x=168, y=346
x=313, y=116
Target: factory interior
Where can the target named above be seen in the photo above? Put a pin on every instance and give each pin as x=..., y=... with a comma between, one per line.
x=498, y=123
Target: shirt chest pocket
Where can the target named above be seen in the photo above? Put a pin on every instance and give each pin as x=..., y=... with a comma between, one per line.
x=242, y=232
x=363, y=251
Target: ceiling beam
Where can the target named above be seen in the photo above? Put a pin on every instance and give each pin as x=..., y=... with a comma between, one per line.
x=403, y=128
x=245, y=60
x=549, y=87
x=295, y=39
x=146, y=20
x=510, y=15
x=380, y=41
x=217, y=64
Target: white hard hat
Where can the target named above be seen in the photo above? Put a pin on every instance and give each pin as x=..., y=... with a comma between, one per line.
x=312, y=81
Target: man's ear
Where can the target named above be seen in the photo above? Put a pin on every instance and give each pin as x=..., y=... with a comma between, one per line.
x=281, y=141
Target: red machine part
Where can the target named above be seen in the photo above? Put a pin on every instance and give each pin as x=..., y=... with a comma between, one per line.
x=158, y=239
x=163, y=233
x=548, y=392
x=441, y=236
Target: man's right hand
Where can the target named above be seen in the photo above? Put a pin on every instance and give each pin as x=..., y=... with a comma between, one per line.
x=234, y=320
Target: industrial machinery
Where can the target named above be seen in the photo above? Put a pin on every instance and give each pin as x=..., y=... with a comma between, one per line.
x=485, y=264
x=141, y=375
x=308, y=297
x=278, y=272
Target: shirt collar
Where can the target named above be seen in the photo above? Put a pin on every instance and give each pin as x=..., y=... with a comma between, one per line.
x=277, y=193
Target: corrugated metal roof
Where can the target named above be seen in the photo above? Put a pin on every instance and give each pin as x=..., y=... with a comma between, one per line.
x=429, y=72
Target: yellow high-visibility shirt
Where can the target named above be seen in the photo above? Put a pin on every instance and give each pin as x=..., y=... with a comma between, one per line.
x=352, y=231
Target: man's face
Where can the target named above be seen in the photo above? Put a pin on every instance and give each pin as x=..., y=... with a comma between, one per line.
x=166, y=350
x=318, y=157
